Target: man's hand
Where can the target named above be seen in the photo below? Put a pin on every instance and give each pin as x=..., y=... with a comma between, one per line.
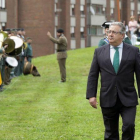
x=5, y=46
x=48, y=34
x=93, y=102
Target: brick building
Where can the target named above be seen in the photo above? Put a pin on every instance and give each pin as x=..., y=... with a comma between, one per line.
x=81, y=19
x=39, y=16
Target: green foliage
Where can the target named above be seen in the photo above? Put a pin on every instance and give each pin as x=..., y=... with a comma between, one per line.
x=40, y=108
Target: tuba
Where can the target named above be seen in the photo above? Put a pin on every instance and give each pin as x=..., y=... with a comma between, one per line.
x=4, y=40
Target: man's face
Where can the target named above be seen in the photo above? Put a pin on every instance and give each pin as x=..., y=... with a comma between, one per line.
x=106, y=30
x=114, y=35
x=19, y=32
x=23, y=32
x=58, y=34
x=29, y=41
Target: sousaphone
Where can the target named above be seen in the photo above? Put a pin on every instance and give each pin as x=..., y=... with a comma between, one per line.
x=4, y=40
x=18, y=46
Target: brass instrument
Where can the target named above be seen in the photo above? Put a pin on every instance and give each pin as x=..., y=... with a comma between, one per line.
x=25, y=45
x=4, y=40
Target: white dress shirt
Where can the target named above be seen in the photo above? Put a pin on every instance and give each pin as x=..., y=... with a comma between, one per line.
x=112, y=52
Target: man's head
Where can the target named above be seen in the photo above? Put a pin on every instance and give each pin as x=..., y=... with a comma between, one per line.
x=116, y=33
x=19, y=31
x=23, y=32
x=29, y=40
x=60, y=32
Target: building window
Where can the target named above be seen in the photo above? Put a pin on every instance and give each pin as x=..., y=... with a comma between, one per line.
x=72, y=10
x=82, y=9
x=98, y=9
x=72, y=32
x=2, y=26
x=82, y=32
x=2, y=4
x=112, y=13
x=132, y=12
x=95, y=30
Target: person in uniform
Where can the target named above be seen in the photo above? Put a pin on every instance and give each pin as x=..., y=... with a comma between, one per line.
x=20, y=58
x=61, y=51
x=104, y=41
x=2, y=51
x=28, y=51
x=23, y=34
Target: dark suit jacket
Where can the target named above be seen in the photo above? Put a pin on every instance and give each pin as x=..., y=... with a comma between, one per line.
x=112, y=84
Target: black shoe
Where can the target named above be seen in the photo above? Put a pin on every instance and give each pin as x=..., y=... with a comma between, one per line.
x=62, y=81
x=1, y=89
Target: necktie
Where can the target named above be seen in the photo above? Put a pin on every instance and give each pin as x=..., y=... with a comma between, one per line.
x=116, y=60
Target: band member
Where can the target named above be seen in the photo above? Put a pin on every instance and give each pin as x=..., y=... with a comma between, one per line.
x=19, y=33
x=23, y=34
x=61, y=51
x=2, y=51
x=29, y=51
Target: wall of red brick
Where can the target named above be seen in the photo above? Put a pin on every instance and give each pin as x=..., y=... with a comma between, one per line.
x=12, y=13
x=36, y=17
x=64, y=18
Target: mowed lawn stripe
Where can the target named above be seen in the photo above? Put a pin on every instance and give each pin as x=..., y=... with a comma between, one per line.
x=40, y=108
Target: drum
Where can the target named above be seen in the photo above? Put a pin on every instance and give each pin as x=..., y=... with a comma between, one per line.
x=30, y=69
x=11, y=62
x=18, y=46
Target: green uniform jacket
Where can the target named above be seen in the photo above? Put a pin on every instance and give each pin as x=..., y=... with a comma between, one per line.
x=61, y=46
x=102, y=42
x=28, y=51
x=127, y=40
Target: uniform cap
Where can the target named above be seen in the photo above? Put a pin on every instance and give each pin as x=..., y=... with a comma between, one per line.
x=106, y=24
x=60, y=31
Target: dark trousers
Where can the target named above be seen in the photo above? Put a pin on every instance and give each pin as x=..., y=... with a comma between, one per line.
x=111, y=121
x=7, y=79
x=29, y=59
x=62, y=66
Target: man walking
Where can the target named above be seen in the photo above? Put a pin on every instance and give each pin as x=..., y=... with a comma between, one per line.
x=116, y=62
x=61, y=52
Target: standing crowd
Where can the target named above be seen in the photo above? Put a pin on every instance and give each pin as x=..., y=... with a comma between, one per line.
x=8, y=72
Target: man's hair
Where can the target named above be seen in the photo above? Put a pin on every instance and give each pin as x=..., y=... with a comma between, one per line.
x=28, y=38
x=121, y=25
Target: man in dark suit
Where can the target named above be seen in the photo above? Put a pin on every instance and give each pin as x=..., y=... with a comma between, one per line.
x=116, y=62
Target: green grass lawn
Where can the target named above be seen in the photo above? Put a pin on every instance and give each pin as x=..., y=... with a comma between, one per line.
x=40, y=108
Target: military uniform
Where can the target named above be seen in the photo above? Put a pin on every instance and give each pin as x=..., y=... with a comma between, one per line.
x=103, y=42
x=1, y=68
x=20, y=58
x=29, y=53
x=127, y=40
x=61, y=54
